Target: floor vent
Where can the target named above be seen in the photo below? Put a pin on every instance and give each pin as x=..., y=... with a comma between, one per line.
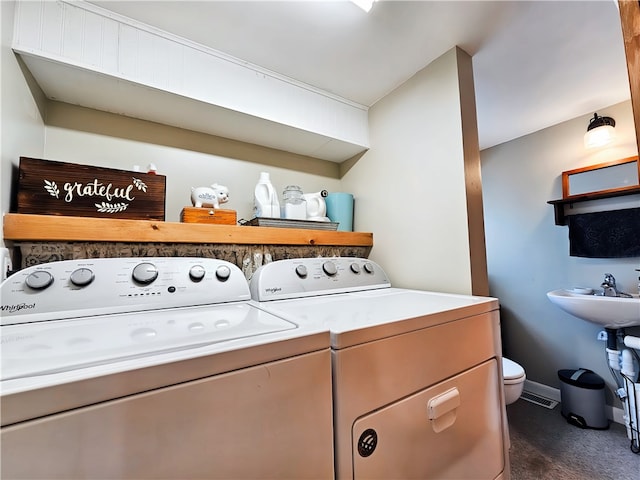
x=539, y=400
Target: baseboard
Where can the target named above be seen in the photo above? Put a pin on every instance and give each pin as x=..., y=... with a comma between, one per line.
x=614, y=414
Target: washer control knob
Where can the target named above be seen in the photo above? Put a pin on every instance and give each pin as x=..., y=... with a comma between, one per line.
x=368, y=267
x=39, y=280
x=223, y=273
x=301, y=271
x=81, y=277
x=355, y=268
x=329, y=268
x=145, y=273
x=196, y=273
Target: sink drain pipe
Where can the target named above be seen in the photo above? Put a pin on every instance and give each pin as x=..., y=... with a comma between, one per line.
x=613, y=355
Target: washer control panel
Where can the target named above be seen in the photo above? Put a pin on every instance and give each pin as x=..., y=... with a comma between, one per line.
x=305, y=277
x=75, y=288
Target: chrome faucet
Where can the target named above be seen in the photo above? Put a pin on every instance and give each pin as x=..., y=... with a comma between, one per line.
x=609, y=280
x=609, y=288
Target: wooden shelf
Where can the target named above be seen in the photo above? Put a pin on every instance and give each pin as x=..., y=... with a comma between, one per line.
x=53, y=228
x=559, y=205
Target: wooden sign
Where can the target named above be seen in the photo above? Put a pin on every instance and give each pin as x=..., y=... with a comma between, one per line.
x=48, y=187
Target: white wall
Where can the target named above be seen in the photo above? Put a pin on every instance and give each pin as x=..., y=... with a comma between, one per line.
x=410, y=186
x=528, y=255
x=22, y=128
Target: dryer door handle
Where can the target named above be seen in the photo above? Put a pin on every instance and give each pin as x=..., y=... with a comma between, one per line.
x=442, y=409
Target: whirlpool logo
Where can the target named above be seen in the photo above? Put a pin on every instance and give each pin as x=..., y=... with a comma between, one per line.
x=15, y=338
x=273, y=290
x=17, y=308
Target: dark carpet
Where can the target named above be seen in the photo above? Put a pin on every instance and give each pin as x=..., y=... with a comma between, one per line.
x=545, y=447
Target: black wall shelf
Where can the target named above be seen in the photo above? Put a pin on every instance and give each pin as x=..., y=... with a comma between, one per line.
x=559, y=205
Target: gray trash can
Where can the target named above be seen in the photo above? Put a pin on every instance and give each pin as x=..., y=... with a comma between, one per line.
x=582, y=398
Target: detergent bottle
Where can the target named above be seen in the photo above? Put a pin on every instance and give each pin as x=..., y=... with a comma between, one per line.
x=266, y=202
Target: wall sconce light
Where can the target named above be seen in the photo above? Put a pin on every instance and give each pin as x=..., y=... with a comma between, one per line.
x=600, y=131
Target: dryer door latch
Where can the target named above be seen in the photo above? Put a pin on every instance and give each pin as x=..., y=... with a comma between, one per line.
x=442, y=409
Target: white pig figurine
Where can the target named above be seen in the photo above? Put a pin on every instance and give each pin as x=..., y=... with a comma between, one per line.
x=211, y=196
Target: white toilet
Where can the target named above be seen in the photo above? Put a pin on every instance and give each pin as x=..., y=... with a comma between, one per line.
x=513, y=377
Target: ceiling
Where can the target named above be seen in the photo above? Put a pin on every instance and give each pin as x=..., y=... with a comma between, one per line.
x=535, y=64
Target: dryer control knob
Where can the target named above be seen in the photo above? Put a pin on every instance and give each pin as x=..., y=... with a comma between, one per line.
x=145, y=273
x=329, y=268
x=223, y=273
x=39, y=280
x=301, y=271
x=368, y=267
x=81, y=277
x=197, y=273
x=355, y=268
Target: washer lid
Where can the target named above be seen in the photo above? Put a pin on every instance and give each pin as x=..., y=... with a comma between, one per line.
x=511, y=369
x=65, y=345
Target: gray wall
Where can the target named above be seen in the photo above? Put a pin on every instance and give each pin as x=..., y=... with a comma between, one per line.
x=528, y=255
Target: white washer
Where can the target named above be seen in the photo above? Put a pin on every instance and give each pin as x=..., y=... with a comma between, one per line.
x=416, y=375
x=157, y=368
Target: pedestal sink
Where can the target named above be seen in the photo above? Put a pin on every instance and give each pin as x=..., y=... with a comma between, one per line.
x=608, y=312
